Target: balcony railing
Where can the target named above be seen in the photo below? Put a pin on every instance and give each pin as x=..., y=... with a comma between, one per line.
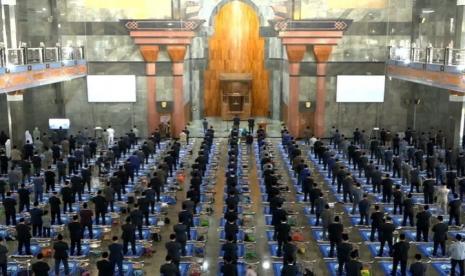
x=429, y=55
x=26, y=55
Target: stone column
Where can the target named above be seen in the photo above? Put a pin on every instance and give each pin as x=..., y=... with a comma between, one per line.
x=16, y=124
x=295, y=54
x=322, y=53
x=150, y=54
x=178, y=117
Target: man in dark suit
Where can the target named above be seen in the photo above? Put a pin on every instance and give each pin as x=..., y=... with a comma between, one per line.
x=455, y=210
x=86, y=219
x=173, y=249
x=376, y=221
x=418, y=268
x=335, y=230
x=289, y=251
x=277, y=216
x=36, y=220
x=423, y=223
x=24, y=200
x=116, y=255
x=128, y=236
x=428, y=189
x=440, y=236
x=187, y=219
x=283, y=230
x=100, y=204
x=169, y=268
x=9, y=205
x=354, y=267
x=289, y=268
x=228, y=269
x=75, y=235
x=104, y=266
x=67, y=197
x=144, y=207
x=137, y=219
x=398, y=199
x=229, y=249
x=49, y=179
x=364, y=209
x=55, y=210
x=386, y=236
x=181, y=236
x=400, y=255
x=387, y=188
x=343, y=252
x=408, y=210
x=23, y=236
x=231, y=229
x=60, y=254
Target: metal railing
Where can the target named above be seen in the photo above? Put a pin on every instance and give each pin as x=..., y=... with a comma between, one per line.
x=28, y=55
x=430, y=55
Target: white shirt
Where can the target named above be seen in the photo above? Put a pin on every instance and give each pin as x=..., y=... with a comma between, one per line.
x=111, y=132
x=8, y=148
x=457, y=250
x=442, y=193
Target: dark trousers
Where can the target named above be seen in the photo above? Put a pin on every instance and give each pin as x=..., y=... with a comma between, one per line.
x=118, y=263
x=37, y=230
x=126, y=245
x=67, y=204
x=100, y=214
x=4, y=269
x=27, y=246
x=422, y=231
x=454, y=264
x=280, y=248
x=409, y=216
x=443, y=247
x=383, y=242
x=456, y=217
x=363, y=217
x=65, y=265
x=332, y=245
x=23, y=204
x=89, y=228
x=428, y=197
x=75, y=243
x=342, y=264
x=10, y=217
x=397, y=205
x=139, y=229
x=56, y=217
x=403, y=267
x=374, y=229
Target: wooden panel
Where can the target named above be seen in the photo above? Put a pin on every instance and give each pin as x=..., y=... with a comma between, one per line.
x=236, y=47
x=322, y=52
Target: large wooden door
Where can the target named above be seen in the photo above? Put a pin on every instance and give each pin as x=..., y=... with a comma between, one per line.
x=236, y=47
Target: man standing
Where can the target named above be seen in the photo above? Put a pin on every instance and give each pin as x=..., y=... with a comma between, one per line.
x=284, y=230
x=100, y=207
x=128, y=236
x=376, y=222
x=55, y=210
x=116, y=255
x=457, y=255
x=408, y=210
x=173, y=249
x=23, y=235
x=9, y=205
x=75, y=235
x=36, y=220
x=440, y=236
x=343, y=252
x=400, y=255
x=251, y=122
x=335, y=230
x=455, y=210
x=423, y=223
x=386, y=236
x=86, y=220
x=60, y=249
x=364, y=209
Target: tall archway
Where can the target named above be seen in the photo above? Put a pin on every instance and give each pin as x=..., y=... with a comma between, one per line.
x=236, y=47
